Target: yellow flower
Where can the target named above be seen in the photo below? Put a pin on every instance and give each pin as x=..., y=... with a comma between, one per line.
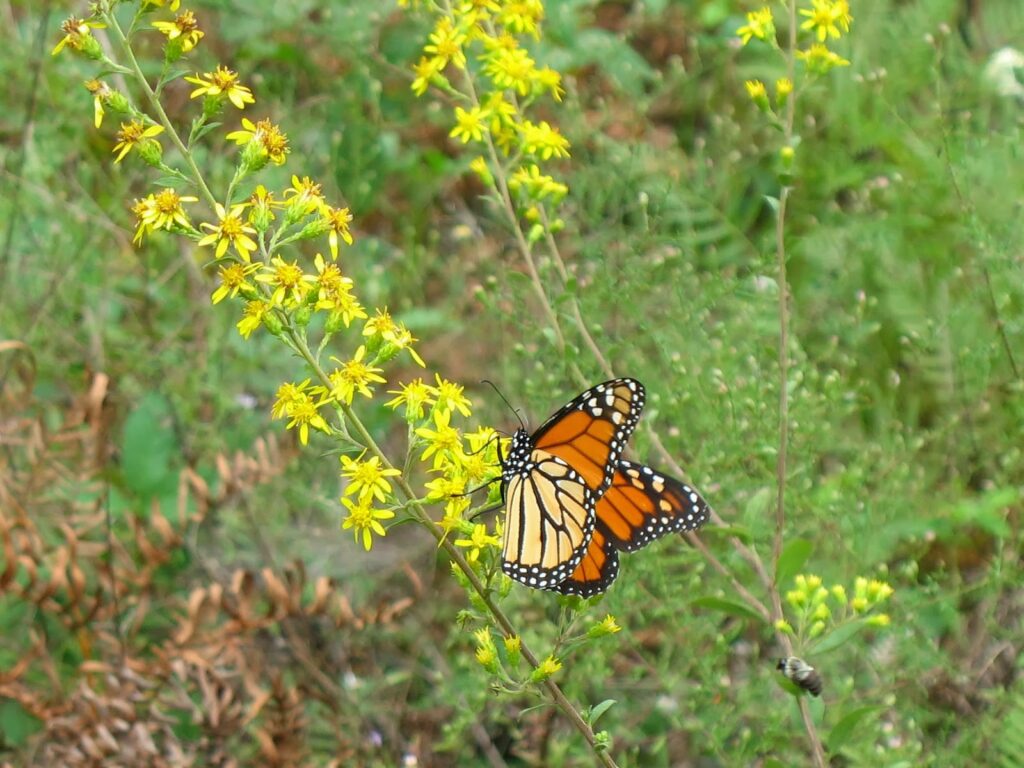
x=449, y=396
x=522, y=17
x=543, y=140
x=607, y=626
x=511, y=69
x=825, y=18
x=783, y=88
x=337, y=220
x=446, y=43
x=486, y=653
x=477, y=541
x=760, y=24
x=547, y=79
x=354, y=376
x=757, y=92
x=441, y=488
x=414, y=396
x=221, y=83
x=535, y=184
x=78, y=35
x=469, y=125
x=426, y=71
x=306, y=197
x=133, y=133
x=230, y=231
x=290, y=283
x=252, y=317
x=502, y=111
x=820, y=59
x=443, y=441
x=367, y=478
x=150, y=4
x=101, y=94
x=184, y=27
x=302, y=410
x=165, y=210
x=287, y=395
x=271, y=140
x=234, y=277
x=365, y=521
x=546, y=669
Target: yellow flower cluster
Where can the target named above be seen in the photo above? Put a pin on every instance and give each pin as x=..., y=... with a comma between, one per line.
x=476, y=53
x=817, y=606
x=824, y=20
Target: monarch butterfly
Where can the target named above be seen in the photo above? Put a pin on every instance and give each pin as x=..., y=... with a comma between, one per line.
x=801, y=673
x=572, y=504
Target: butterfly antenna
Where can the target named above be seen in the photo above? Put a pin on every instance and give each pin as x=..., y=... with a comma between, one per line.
x=493, y=386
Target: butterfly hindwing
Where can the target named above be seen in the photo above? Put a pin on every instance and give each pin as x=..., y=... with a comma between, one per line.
x=642, y=505
x=596, y=571
x=590, y=432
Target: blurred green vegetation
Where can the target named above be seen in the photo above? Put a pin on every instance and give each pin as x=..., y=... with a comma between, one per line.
x=907, y=282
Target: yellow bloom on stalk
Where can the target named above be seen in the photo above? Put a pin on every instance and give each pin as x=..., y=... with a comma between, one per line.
x=502, y=112
x=222, y=82
x=303, y=412
x=546, y=669
x=426, y=71
x=164, y=210
x=337, y=220
x=290, y=283
x=305, y=195
x=101, y=94
x=252, y=317
x=511, y=69
x=819, y=59
x=477, y=541
x=271, y=140
x=446, y=43
x=607, y=626
x=395, y=335
x=450, y=397
x=469, y=125
x=783, y=88
x=234, y=277
x=261, y=208
x=535, y=184
x=414, y=396
x=367, y=478
x=184, y=27
x=443, y=441
x=230, y=231
x=486, y=653
x=445, y=487
x=543, y=140
x=365, y=521
x=173, y=5
x=760, y=24
x=522, y=17
x=288, y=394
x=825, y=17
x=547, y=79
x=354, y=376
x=78, y=35
x=132, y=134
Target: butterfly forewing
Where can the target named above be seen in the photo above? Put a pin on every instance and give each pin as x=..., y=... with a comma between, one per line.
x=590, y=432
x=642, y=505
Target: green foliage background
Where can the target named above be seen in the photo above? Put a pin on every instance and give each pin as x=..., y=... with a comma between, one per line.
x=907, y=280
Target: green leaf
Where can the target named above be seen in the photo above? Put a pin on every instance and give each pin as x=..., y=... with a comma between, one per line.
x=149, y=448
x=727, y=606
x=842, y=730
x=792, y=559
x=838, y=636
x=16, y=725
x=599, y=709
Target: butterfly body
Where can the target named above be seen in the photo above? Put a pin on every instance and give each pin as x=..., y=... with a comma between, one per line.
x=572, y=503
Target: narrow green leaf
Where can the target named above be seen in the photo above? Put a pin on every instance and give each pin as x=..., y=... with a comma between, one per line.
x=599, y=709
x=842, y=730
x=727, y=606
x=792, y=559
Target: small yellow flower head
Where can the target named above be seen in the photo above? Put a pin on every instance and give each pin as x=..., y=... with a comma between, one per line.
x=263, y=142
x=820, y=60
x=879, y=620
x=103, y=96
x=783, y=626
x=445, y=487
x=183, y=34
x=877, y=591
x=364, y=520
x=783, y=89
x=304, y=414
x=826, y=18
x=305, y=198
x=522, y=17
x=135, y=134
x=536, y=186
x=543, y=140
x=607, y=626
x=449, y=396
x=469, y=126
x=231, y=230
x=261, y=208
x=220, y=85
x=166, y=212
x=255, y=314
x=511, y=69
x=796, y=598
x=816, y=629
x=414, y=396
x=287, y=395
x=427, y=71
x=760, y=24
x=367, y=478
x=477, y=542
x=547, y=79
x=337, y=221
x=443, y=442
x=513, y=649
x=545, y=669
x=479, y=166
x=486, y=653
x=811, y=583
x=234, y=278
x=78, y=37
x=446, y=43
x=757, y=92
x=354, y=376
x=149, y=5
x=822, y=612
x=839, y=594
x=289, y=282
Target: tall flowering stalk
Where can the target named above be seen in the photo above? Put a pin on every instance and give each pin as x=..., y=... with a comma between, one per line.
x=247, y=234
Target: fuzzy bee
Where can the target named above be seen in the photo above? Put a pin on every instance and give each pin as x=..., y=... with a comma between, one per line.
x=801, y=673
